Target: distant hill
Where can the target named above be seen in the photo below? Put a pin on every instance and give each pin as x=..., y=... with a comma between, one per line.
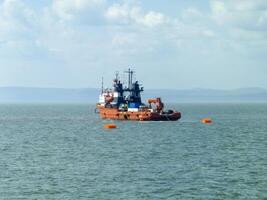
x=47, y=95
x=90, y=95
x=212, y=95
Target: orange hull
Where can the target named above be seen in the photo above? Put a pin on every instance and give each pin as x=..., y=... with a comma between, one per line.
x=114, y=113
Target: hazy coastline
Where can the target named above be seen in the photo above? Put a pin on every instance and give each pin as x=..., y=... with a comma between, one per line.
x=90, y=95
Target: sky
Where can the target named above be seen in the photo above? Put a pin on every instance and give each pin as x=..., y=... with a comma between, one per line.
x=175, y=44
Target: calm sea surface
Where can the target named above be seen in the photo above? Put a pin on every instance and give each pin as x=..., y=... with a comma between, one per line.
x=63, y=152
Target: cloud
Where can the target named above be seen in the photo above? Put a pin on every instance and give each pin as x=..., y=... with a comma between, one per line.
x=69, y=9
x=242, y=24
x=15, y=17
x=71, y=27
x=244, y=14
x=146, y=32
x=73, y=23
x=192, y=14
x=19, y=27
x=262, y=20
x=87, y=35
x=128, y=14
x=152, y=19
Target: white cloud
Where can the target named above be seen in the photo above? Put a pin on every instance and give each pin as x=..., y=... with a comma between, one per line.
x=119, y=13
x=262, y=21
x=219, y=11
x=15, y=16
x=244, y=35
x=124, y=40
x=242, y=23
x=67, y=9
x=191, y=14
x=152, y=19
x=19, y=26
x=208, y=33
x=244, y=14
x=128, y=14
x=247, y=5
x=91, y=34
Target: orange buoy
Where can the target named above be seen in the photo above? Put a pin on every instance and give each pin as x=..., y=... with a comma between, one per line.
x=206, y=121
x=110, y=126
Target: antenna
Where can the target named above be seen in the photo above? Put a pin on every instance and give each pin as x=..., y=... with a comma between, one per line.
x=102, y=84
x=130, y=77
x=117, y=75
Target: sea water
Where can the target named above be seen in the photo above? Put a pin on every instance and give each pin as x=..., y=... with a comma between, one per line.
x=63, y=152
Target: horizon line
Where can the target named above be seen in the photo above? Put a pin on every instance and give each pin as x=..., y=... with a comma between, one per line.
x=77, y=88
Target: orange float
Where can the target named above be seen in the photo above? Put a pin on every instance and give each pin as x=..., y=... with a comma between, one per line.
x=110, y=126
x=206, y=121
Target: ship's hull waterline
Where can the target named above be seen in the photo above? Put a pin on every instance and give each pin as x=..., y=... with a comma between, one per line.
x=115, y=114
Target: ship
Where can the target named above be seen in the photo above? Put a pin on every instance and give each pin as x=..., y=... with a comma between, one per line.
x=124, y=103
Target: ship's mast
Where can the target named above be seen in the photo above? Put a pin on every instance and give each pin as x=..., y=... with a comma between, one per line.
x=130, y=77
x=102, y=85
x=117, y=75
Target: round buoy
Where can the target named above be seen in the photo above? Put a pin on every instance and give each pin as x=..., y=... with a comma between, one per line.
x=206, y=121
x=110, y=126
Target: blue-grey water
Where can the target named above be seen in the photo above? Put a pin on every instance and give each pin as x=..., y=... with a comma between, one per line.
x=63, y=152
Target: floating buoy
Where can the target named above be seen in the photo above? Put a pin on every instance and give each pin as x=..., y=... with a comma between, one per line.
x=110, y=126
x=206, y=121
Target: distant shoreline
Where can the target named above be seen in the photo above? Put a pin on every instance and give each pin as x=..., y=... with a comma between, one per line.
x=90, y=95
